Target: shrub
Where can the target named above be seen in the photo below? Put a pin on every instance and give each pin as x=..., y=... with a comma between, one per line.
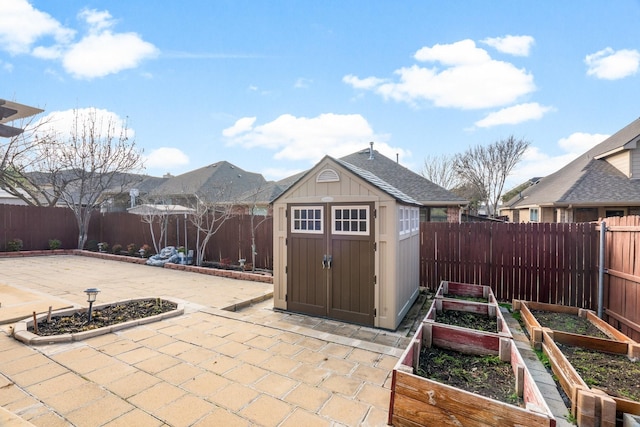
x=116, y=249
x=147, y=250
x=14, y=245
x=132, y=248
x=91, y=245
x=54, y=244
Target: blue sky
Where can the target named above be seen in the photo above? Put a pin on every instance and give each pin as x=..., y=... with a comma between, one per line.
x=274, y=86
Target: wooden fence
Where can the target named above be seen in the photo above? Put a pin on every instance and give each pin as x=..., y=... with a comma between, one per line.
x=554, y=263
x=622, y=275
x=36, y=225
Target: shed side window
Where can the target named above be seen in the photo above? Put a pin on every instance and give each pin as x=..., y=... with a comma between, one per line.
x=352, y=220
x=307, y=219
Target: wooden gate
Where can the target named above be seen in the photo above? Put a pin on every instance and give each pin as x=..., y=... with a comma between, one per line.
x=330, y=261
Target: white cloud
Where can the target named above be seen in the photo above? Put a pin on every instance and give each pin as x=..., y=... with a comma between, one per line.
x=514, y=115
x=580, y=142
x=512, y=45
x=613, y=65
x=302, y=83
x=366, y=83
x=106, y=53
x=242, y=125
x=470, y=79
x=309, y=139
x=102, y=52
x=99, y=53
x=107, y=123
x=166, y=158
x=21, y=26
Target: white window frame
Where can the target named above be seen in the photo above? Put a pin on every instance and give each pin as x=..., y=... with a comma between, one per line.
x=297, y=223
x=404, y=220
x=359, y=220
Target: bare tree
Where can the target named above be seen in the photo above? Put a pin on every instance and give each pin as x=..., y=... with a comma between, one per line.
x=94, y=157
x=29, y=164
x=441, y=171
x=210, y=212
x=487, y=168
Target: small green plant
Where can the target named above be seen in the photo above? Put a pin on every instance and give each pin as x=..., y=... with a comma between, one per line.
x=571, y=418
x=117, y=248
x=543, y=358
x=54, y=244
x=14, y=245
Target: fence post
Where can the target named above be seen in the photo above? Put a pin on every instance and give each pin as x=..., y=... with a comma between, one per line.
x=603, y=231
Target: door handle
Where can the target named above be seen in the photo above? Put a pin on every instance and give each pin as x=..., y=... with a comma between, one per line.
x=329, y=261
x=324, y=262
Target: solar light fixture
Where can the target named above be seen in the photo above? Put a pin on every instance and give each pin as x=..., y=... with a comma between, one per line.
x=92, y=293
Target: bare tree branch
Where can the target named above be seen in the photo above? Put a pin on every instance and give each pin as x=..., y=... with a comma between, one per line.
x=441, y=171
x=486, y=168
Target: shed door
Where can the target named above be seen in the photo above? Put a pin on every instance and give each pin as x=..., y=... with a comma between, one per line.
x=331, y=261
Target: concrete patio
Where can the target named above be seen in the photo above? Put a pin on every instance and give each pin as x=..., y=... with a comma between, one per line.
x=207, y=367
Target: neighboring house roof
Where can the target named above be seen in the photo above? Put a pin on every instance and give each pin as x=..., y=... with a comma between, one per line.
x=589, y=179
x=412, y=184
x=10, y=111
x=221, y=181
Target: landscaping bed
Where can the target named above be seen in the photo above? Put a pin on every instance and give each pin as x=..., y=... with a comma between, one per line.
x=588, y=369
x=571, y=320
x=103, y=316
x=463, y=319
x=73, y=325
x=485, y=375
x=463, y=359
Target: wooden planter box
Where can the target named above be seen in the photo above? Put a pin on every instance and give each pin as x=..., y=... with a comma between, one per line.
x=490, y=308
x=591, y=407
x=418, y=401
x=535, y=329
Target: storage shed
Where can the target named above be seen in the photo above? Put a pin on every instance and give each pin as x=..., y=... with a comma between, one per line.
x=346, y=246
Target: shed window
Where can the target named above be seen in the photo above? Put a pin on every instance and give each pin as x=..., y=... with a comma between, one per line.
x=306, y=219
x=352, y=220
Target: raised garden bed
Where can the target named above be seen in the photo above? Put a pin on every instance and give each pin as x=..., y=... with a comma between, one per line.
x=555, y=318
x=71, y=324
x=458, y=304
x=591, y=405
x=416, y=400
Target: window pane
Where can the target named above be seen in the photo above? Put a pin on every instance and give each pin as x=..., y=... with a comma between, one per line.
x=346, y=226
x=317, y=225
x=296, y=214
x=304, y=214
x=338, y=226
x=363, y=214
x=363, y=225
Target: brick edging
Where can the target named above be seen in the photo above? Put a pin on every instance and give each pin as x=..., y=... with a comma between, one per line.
x=232, y=274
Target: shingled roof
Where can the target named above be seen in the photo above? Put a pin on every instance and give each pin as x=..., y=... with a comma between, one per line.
x=222, y=176
x=410, y=183
x=399, y=182
x=589, y=179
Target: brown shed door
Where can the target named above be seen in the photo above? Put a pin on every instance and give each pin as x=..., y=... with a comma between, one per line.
x=331, y=261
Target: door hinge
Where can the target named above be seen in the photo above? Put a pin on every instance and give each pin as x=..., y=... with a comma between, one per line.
x=375, y=279
x=286, y=241
x=286, y=297
x=375, y=213
x=286, y=269
x=375, y=246
x=375, y=312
